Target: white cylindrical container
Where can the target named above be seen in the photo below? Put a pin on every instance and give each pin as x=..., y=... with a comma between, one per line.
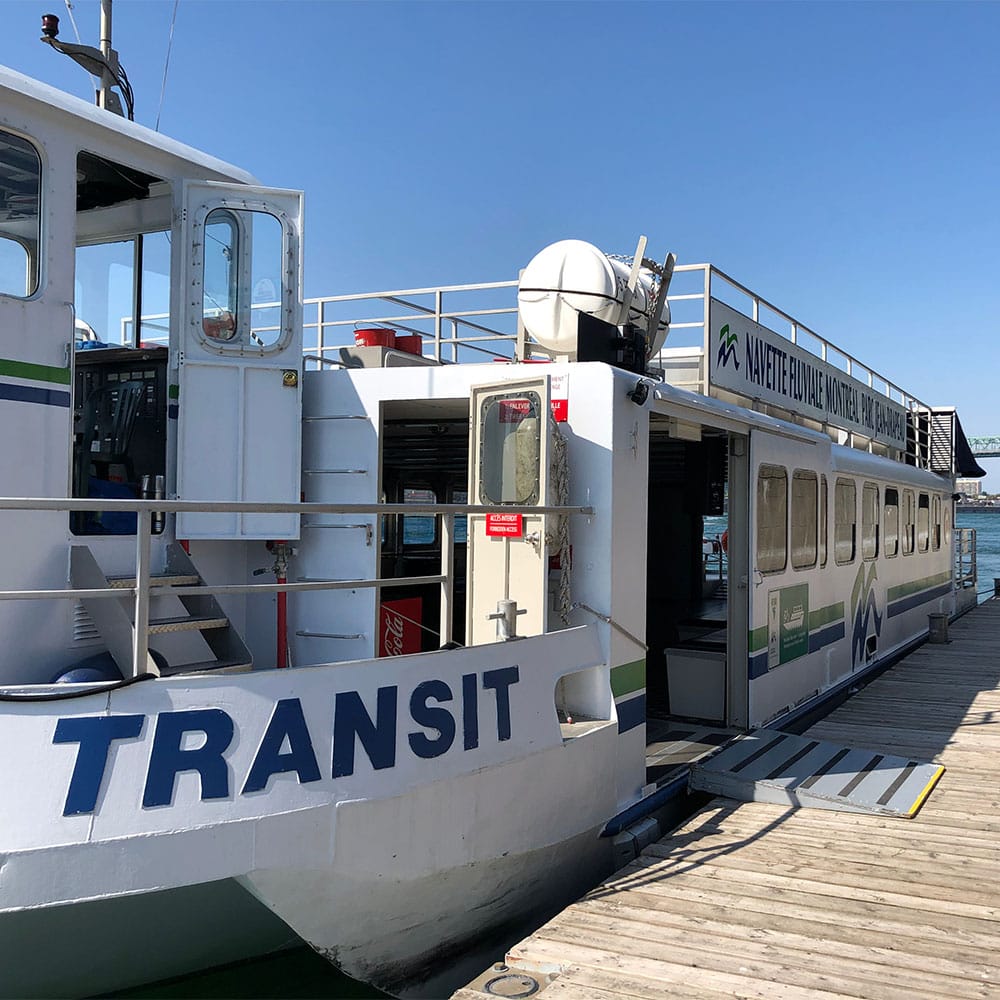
x=573, y=277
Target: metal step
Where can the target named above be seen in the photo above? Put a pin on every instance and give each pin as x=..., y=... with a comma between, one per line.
x=185, y=623
x=157, y=580
x=208, y=666
x=770, y=766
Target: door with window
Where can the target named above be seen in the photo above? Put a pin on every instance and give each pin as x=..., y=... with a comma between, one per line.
x=237, y=290
x=507, y=560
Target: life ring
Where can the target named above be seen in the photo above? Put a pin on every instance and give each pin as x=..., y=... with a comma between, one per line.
x=724, y=541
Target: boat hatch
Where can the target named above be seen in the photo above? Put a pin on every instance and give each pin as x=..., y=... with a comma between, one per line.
x=771, y=766
x=239, y=418
x=510, y=447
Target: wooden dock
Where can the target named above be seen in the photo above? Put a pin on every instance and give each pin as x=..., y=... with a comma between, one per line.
x=758, y=900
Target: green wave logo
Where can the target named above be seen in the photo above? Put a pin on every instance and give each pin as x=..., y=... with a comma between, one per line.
x=728, y=343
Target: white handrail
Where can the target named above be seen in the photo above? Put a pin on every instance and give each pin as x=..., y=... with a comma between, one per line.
x=146, y=510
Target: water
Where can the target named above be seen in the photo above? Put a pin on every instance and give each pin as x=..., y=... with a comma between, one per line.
x=298, y=972
x=987, y=525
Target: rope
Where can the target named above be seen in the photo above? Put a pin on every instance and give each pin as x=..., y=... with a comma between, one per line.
x=166, y=65
x=558, y=538
x=72, y=20
x=610, y=621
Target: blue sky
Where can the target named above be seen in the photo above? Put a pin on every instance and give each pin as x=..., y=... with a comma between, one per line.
x=841, y=159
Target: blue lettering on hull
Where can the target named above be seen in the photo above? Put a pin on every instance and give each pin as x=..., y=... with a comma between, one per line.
x=286, y=745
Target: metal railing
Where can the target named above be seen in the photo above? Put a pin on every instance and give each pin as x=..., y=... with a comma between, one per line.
x=965, y=558
x=687, y=348
x=479, y=321
x=144, y=588
x=474, y=322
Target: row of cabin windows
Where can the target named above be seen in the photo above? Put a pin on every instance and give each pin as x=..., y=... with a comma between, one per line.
x=898, y=521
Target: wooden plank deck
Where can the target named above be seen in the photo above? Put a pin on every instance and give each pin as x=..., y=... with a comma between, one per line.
x=756, y=900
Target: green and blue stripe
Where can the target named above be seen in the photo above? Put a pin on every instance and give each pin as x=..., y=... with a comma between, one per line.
x=26, y=372
x=911, y=595
x=826, y=626
x=628, y=686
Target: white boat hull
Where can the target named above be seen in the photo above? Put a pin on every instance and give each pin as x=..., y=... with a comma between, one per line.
x=382, y=860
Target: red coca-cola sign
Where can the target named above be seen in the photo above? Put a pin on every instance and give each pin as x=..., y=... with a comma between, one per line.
x=399, y=626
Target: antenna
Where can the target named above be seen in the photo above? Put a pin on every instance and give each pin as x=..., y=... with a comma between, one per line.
x=102, y=63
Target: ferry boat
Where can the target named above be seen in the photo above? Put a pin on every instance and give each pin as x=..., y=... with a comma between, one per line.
x=361, y=638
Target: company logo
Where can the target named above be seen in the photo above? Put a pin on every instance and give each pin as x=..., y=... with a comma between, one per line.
x=728, y=342
x=864, y=611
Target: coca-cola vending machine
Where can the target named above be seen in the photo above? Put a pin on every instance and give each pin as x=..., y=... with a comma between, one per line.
x=399, y=626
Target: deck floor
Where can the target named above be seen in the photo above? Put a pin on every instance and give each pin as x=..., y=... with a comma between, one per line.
x=757, y=900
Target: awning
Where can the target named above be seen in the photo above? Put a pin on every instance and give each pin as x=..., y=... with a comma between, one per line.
x=966, y=465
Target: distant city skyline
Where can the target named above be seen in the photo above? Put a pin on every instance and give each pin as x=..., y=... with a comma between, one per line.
x=840, y=159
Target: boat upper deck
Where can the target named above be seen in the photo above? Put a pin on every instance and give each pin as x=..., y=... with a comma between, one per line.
x=766, y=360
x=760, y=900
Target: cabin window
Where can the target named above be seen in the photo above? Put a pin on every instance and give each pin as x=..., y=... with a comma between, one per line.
x=122, y=265
x=219, y=271
x=419, y=529
x=923, y=522
x=935, y=522
x=869, y=521
x=510, y=439
x=822, y=520
x=108, y=298
x=947, y=525
x=461, y=520
x=804, y=501
x=20, y=216
x=845, y=521
x=242, y=268
x=891, y=522
x=772, y=518
x=908, y=522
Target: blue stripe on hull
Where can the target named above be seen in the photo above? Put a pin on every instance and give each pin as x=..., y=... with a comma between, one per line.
x=631, y=713
x=915, y=600
x=824, y=636
x=33, y=394
x=817, y=640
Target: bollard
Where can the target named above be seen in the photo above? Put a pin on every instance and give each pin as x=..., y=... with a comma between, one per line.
x=506, y=619
x=937, y=628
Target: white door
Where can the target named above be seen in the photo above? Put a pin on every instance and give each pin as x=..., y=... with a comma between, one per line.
x=509, y=447
x=237, y=290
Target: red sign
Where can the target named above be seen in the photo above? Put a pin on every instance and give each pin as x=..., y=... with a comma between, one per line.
x=560, y=398
x=504, y=525
x=399, y=626
x=513, y=411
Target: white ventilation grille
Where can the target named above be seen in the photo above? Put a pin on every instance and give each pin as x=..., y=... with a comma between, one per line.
x=85, y=632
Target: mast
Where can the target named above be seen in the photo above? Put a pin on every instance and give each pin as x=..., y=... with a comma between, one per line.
x=101, y=63
x=107, y=80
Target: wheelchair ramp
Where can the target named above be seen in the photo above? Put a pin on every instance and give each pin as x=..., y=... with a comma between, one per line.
x=771, y=766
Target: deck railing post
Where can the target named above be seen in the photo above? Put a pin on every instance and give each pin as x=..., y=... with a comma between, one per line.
x=438, y=306
x=141, y=662
x=448, y=572
x=707, y=339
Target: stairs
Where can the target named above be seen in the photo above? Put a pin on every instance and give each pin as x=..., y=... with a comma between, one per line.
x=203, y=614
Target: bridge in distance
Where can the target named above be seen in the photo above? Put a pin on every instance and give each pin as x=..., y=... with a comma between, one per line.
x=988, y=447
